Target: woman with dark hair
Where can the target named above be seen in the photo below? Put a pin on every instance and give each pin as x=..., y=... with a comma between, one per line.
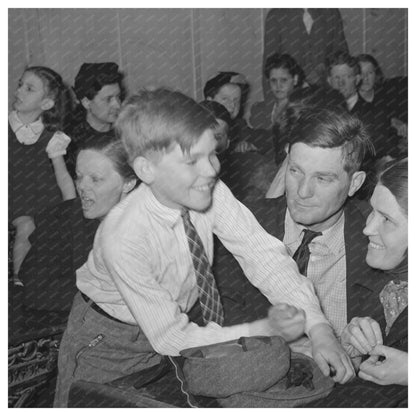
x=387, y=231
x=98, y=88
x=64, y=233
x=284, y=77
x=371, y=76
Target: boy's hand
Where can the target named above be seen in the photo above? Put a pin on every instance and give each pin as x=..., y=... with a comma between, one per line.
x=360, y=336
x=287, y=321
x=57, y=145
x=329, y=355
x=393, y=370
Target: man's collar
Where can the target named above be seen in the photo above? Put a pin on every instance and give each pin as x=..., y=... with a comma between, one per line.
x=329, y=237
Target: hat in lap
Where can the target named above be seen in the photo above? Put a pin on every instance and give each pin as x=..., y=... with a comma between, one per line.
x=303, y=384
x=93, y=76
x=254, y=372
x=246, y=364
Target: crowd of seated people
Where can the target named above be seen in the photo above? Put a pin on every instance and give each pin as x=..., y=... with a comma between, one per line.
x=89, y=239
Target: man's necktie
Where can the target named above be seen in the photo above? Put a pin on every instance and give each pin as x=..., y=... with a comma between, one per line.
x=303, y=253
x=308, y=21
x=209, y=297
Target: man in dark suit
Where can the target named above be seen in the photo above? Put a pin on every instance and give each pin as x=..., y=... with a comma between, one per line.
x=327, y=148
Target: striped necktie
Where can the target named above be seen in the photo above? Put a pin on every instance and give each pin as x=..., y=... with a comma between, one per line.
x=209, y=296
x=303, y=253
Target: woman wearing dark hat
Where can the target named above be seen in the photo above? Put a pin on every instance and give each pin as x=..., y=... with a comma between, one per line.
x=230, y=89
x=98, y=87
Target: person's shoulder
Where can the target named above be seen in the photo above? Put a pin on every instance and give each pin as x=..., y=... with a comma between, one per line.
x=130, y=220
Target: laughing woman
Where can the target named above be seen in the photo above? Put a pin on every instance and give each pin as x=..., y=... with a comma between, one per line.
x=64, y=234
x=387, y=231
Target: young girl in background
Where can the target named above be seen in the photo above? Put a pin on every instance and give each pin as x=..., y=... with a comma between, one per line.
x=37, y=172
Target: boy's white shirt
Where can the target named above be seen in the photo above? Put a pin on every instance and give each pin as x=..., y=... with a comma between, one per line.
x=140, y=270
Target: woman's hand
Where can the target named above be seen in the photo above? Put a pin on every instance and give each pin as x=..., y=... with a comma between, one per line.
x=360, y=336
x=393, y=370
x=287, y=321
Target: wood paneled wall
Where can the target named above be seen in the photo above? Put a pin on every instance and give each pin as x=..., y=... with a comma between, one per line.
x=179, y=48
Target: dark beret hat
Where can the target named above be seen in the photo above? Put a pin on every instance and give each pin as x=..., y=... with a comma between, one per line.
x=218, y=110
x=90, y=74
x=223, y=78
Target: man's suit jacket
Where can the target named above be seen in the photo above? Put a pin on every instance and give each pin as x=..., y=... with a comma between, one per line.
x=245, y=303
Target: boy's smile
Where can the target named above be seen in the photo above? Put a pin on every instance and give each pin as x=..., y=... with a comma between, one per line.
x=182, y=180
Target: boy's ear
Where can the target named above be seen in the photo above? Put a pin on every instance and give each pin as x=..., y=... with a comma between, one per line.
x=47, y=104
x=129, y=185
x=144, y=169
x=357, y=79
x=357, y=181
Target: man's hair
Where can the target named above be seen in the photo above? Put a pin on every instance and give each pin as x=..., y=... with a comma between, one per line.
x=154, y=121
x=333, y=128
x=342, y=58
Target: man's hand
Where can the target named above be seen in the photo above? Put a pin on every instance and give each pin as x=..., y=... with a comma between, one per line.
x=287, y=321
x=393, y=370
x=360, y=336
x=329, y=355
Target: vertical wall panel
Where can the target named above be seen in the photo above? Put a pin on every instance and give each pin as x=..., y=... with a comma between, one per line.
x=231, y=41
x=18, y=49
x=386, y=39
x=156, y=48
x=354, y=23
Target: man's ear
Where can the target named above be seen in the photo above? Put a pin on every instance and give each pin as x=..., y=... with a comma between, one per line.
x=145, y=169
x=357, y=181
x=129, y=185
x=85, y=103
x=47, y=104
x=357, y=79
